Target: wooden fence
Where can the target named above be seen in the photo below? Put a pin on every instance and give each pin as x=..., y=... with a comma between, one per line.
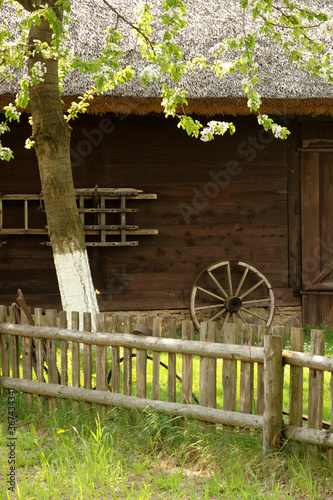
x=41, y=359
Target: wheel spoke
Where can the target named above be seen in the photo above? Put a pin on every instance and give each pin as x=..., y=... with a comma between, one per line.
x=229, y=279
x=258, y=301
x=241, y=317
x=252, y=288
x=201, y=308
x=218, y=314
x=228, y=298
x=218, y=284
x=224, y=322
x=253, y=314
x=210, y=293
x=240, y=284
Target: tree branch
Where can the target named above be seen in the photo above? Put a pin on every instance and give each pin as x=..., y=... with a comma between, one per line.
x=133, y=26
x=29, y=5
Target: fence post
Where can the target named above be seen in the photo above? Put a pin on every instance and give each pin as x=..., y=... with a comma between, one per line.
x=26, y=358
x=157, y=330
x=101, y=362
x=207, y=383
x=262, y=331
x=115, y=357
x=51, y=320
x=63, y=354
x=246, y=375
x=172, y=364
x=187, y=365
x=316, y=386
x=75, y=325
x=141, y=365
x=296, y=380
x=273, y=380
x=87, y=361
x=4, y=345
x=128, y=328
x=38, y=314
x=229, y=370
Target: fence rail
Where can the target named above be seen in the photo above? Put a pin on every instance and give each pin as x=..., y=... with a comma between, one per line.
x=248, y=385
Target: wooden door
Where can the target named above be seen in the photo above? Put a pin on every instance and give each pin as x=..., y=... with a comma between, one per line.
x=317, y=231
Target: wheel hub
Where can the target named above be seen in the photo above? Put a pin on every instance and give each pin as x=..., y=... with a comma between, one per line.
x=233, y=304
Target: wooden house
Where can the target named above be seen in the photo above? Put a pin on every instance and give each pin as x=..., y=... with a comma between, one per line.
x=246, y=197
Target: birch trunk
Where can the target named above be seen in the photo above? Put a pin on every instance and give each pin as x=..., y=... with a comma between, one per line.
x=51, y=134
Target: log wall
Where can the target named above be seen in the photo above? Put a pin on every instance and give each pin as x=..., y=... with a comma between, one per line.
x=222, y=200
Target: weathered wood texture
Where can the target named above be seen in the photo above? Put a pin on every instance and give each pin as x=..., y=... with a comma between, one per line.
x=115, y=357
x=141, y=366
x=296, y=381
x=317, y=222
x=246, y=375
x=187, y=365
x=272, y=435
x=51, y=357
x=229, y=371
x=172, y=363
x=224, y=200
x=101, y=361
x=157, y=331
x=207, y=387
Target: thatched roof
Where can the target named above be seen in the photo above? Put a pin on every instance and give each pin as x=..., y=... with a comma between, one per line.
x=284, y=88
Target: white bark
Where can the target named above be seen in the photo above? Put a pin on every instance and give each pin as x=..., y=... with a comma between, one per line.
x=75, y=284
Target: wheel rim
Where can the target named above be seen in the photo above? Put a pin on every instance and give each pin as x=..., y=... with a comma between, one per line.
x=232, y=292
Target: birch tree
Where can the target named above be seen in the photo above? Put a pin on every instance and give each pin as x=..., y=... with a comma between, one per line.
x=35, y=56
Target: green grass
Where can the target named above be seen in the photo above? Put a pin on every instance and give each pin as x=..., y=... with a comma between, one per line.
x=148, y=456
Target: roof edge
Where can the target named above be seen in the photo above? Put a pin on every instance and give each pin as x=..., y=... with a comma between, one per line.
x=206, y=107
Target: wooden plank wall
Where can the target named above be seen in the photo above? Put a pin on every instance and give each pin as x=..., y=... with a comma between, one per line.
x=317, y=217
x=222, y=200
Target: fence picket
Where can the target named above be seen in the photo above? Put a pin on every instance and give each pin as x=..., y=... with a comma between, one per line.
x=75, y=317
x=187, y=364
x=15, y=343
x=229, y=370
x=26, y=358
x=4, y=344
x=262, y=331
x=128, y=328
x=296, y=380
x=172, y=363
x=101, y=361
x=115, y=357
x=316, y=386
x=63, y=354
x=51, y=320
x=14, y=354
x=87, y=361
x=38, y=314
x=63, y=350
x=272, y=428
x=141, y=365
x=207, y=382
x=157, y=331
x=246, y=375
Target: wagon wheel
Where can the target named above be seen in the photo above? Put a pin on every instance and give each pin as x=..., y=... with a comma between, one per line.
x=232, y=291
